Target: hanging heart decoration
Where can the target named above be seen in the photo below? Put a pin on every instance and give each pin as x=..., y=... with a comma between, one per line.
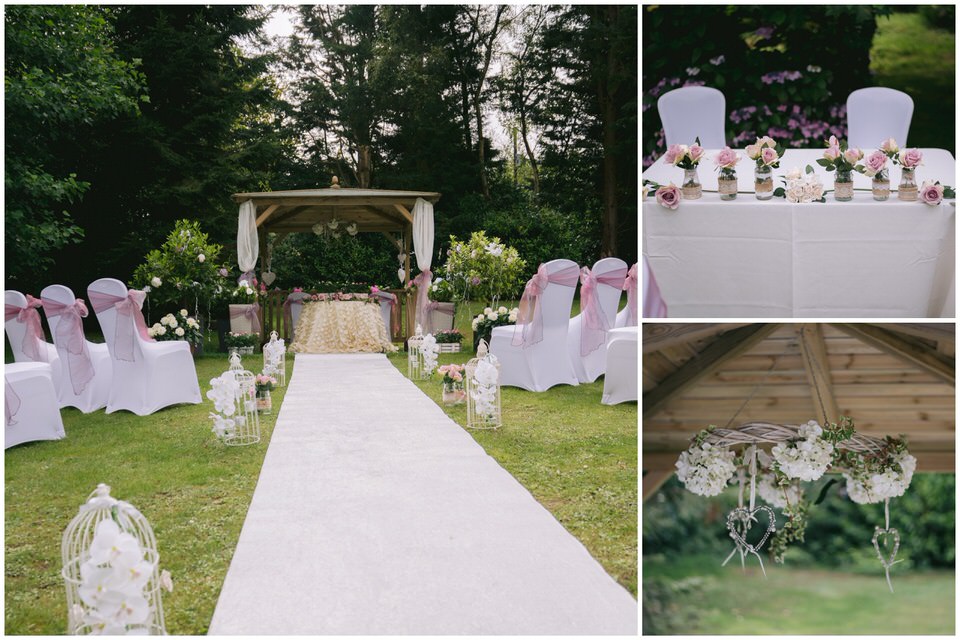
x=268, y=277
x=745, y=516
x=886, y=535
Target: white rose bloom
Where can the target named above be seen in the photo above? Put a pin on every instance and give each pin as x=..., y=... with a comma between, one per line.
x=513, y=316
x=503, y=310
x=179, y=331
x=492, y=316
x=156, y=282
x=813, y=190
x=191, y=322
x=249, y=291
x=243, y=284
x=183, y=312
x=162, y=331
x=487, y=310
x=150, y=332
x=156, y=326
x=174, y=323
x=201, y=258
x=474, y=324
x=794, y=174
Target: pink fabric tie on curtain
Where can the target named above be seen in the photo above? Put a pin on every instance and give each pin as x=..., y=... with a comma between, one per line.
x=33, y=339
x=11, y=402
x=70, y=335
x=422, y=282
x=529, y=327
x=593, y=323
x=251, y=311
x=288, y=313
x=654, y=305
x=630, y=286
x=129, y=321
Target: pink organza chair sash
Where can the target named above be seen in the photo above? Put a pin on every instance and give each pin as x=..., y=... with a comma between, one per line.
x=435, y=306
x=654, y=305
x=70, y=335
x=422, y=282
x=33, y=338
x=630, y=286
x=251, y=311
x=129, y=320
x=288, y=312
x=529, y=327
x=11, y=403
x=593, y=323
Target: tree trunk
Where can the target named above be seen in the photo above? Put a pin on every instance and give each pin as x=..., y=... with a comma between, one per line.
x=534, y=169
x=364, y=168
x=608, y=110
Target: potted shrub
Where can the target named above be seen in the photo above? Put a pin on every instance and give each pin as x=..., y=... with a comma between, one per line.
x=179, y=327
x=244, y=343
x=484, y=323
x=449, y=340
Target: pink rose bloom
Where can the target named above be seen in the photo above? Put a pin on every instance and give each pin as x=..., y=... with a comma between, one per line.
x=832, y=153
x=931, y=193
x=875, y=162
x=910, y=158
x=374, y=289
x=669, y=196
x=889, y=145
x=769, y=156
x=670, y=157
x=833, y=142
x=727, y=158
x=852, y=155
x=298, y=289
x=696, y=152
x=753, y=151
x=766, y=141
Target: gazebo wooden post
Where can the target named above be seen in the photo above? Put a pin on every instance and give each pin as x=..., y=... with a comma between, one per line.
x=407, y=301
x=262, y=238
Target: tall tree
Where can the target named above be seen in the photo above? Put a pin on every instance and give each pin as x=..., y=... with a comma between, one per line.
x=62, y=79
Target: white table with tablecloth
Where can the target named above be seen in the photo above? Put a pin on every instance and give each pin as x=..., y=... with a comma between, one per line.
x=341, y=326
x=752, y=258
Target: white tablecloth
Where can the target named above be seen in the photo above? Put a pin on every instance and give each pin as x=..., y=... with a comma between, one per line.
x=751, y=258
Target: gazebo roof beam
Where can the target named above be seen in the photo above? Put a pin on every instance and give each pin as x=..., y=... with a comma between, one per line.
x=662, y=335
x=814, y=351
x=266, y=214
x=910, y=350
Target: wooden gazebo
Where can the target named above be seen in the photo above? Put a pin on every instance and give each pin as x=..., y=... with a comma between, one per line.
x=373, y=210
x=890, y=378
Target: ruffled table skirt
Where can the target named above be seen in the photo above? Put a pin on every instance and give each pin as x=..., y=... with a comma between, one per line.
x=341, y=326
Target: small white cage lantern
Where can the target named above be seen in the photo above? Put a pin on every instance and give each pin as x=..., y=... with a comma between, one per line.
x=111, y=570
x=246, y=419
x=483, y=390
x=414, y=357
x=275, y=359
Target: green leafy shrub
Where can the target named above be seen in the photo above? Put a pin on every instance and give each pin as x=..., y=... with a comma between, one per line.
x=241, y=339
x=483, y=268
x=939, y=16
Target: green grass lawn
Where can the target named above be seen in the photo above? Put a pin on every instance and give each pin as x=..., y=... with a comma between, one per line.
x=708, y=599
x=910, y=56
x=576, y=456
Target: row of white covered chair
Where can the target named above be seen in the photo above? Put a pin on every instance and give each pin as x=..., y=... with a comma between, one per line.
x=547, y=347
x=873, y=115
x=130, y=372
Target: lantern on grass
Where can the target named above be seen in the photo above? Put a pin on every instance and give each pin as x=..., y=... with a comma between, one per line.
x=275, y=359
x=111, y=570
x=422, y=352
x=235, y=420
x=483, y=390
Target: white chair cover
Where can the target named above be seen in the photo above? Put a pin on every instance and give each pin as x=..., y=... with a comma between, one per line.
x=161, y=373
x=97, y=391
x=691, y=112
x=546, y=363
x=295, y=311
x=385, y=311
x=32, y=399
x=241, y=323
x=877, y=113
x=620, y=382
x=591, y=366
x=15, y=333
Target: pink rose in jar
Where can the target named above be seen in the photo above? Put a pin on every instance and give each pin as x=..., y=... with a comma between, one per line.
x=832, y=153
x=833, y=142
x=768, y=155
x=670, y=157
x=875, y=163
x=727, y=158
x=695, y=153
x=766, y=141
x=931, y=193
x=753, y=151
x=889, y=145
x=852, y=155
x=910, y=158
x=669, y=196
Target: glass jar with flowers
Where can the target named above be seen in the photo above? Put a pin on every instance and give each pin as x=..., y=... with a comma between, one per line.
x=687, y=158
x=842, y=159
x=453, y=391
x=909, y=160
x=875, y=167
x=265, y=385
x=726, y=162
x=766, y=153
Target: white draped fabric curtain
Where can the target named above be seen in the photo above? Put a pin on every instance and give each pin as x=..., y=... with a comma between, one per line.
x=423, y=233
x=248, y=246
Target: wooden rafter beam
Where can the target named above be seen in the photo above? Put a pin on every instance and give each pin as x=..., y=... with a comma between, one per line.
x=267, y=213
x=662, y=335
x=728, y=346
x=910, y=350
x=383, y=215
x=404, y=212
x=279, y=218
x=653, y=480
x=936, y=331
x=814, y=352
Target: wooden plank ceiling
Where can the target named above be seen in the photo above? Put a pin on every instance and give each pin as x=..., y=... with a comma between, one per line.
x=890, y=378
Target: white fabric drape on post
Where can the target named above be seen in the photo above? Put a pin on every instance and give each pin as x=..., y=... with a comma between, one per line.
x=423, y=233
x=248, y=245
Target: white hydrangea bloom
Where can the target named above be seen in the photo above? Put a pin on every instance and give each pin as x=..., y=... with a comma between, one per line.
x=892, y=482
x=705, y=470
x=777, y=496
x=807, y=459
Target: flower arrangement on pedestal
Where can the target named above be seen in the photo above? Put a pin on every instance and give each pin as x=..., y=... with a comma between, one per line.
x=177, y=327
x=875, y=471
x=484, y=323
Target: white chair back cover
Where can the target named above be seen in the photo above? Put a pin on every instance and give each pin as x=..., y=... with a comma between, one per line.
x=296, y=310
x=591, y=366
x=17, y=330
x=36, y=415
x=691, y=112
x=545, y=364
x=95, y=395
x=877, y=113
x=620, y=383
x=160, y=374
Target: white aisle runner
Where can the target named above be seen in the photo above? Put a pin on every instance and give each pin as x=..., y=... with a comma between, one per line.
x=376, y=514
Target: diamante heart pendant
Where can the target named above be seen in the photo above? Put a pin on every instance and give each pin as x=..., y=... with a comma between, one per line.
x=886, y=533
x=745, y=516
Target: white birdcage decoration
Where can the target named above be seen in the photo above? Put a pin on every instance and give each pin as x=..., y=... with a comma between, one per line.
x=111, y=569
x=241, y=426
x=483, y=390
x=417, y=368
x=275, y=359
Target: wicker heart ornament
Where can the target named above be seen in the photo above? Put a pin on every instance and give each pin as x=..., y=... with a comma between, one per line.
x=745, y=516
x=268, y=277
